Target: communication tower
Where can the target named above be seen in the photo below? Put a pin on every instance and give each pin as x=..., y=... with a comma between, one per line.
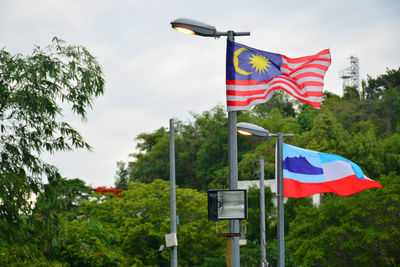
x=350, y=75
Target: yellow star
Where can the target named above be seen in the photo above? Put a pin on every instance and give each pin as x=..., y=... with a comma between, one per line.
x=260, y=62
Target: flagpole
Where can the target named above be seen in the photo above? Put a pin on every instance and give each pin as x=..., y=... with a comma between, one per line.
x=279, y=191
x=233, y=173
x=262, y=214
x=281, y=217
x=251, y=129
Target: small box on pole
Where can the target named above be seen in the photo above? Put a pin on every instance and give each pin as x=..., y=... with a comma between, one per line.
x=171, y=240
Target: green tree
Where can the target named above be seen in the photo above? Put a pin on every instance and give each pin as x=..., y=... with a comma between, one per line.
x=121, y=176
x=142, y=219
x=351, y=92
x=85, y=242
x=54, y=236
x=365, y=149
x=374, y=87
x=358, y=230
x=388, y=108
x=281, y=100
x=32, y=89
x=383, y=96
x=306, y=117
x=253, y=226
x=201, y=152
x=327, y=135
x=391, y=153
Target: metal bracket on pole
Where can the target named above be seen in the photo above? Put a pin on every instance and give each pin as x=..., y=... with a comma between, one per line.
x=226, y=234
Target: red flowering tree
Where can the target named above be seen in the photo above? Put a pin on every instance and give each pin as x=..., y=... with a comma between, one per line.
x=104, y=190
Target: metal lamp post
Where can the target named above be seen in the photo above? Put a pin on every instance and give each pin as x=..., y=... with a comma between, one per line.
x=195, y=27
x=262, y=214
x=251, y=129
x=174, y=247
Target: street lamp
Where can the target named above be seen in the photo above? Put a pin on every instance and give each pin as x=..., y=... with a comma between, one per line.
x=245, y=128
x=192, y=26
x=251, y=129
x=200, y=28
x=196, y=27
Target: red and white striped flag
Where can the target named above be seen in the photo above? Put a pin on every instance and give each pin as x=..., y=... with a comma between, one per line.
x=252, y=75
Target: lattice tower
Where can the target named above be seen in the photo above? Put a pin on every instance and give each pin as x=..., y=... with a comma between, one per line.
x=351, y=75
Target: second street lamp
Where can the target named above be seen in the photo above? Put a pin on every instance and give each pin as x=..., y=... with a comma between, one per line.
x=200, y=28
x=251, y=129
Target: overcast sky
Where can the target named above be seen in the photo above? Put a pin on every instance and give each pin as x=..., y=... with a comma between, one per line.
x=154, y=73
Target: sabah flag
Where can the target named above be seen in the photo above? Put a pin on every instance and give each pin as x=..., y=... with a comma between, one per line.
x=252, y=75
x=307, y=172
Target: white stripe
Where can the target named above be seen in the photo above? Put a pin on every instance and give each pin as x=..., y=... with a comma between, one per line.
x=335, y=170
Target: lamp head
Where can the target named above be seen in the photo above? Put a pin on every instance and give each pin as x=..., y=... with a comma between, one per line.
x=192, y=26
x=245, y=128
x=227, y=204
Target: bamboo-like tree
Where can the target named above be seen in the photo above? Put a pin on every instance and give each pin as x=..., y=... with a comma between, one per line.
x=33, y=89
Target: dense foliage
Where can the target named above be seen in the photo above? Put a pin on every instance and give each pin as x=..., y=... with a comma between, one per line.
x=141, y=217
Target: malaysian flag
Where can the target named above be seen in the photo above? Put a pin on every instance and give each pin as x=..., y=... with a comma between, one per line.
x=252, y=75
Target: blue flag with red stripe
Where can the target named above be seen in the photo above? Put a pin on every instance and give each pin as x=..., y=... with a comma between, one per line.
x=307, y=172
x=252, y=75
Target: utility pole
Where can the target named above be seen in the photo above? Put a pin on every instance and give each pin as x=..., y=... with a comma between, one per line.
x=174, y=249
x=262, y=214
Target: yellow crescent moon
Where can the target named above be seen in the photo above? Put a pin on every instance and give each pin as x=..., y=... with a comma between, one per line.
x=236, y=61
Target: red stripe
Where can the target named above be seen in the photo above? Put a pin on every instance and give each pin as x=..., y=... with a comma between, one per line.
x=344, y=187
x=245, y=93
x=302, y=59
